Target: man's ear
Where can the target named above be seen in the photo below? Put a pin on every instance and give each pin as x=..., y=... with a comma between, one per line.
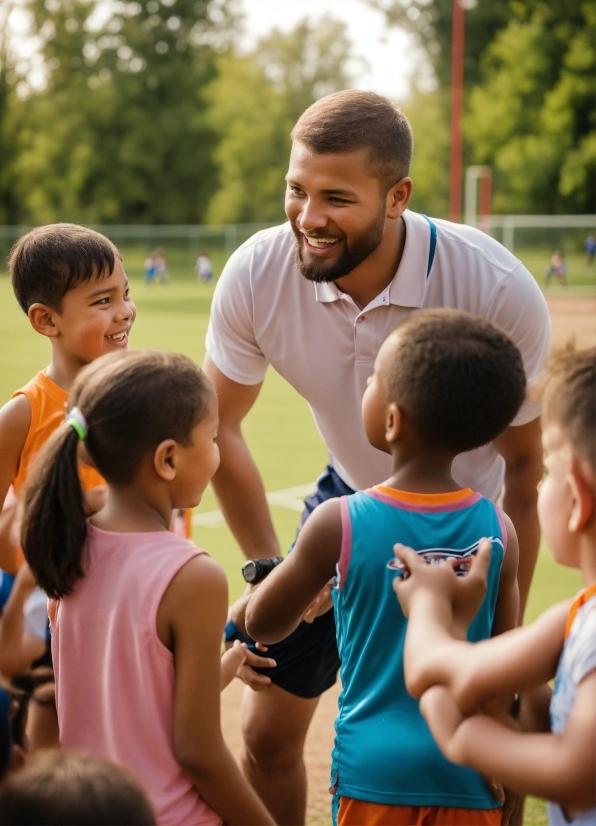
x=393, y=423
x=164, y=460
x=583, y=497
x=43, y=320
x=398, y=198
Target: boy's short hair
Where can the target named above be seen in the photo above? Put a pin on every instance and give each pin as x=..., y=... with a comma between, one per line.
x=569, y=398
x=458, y=377
x=351, y=120
x=71, y=788
x=50, y=260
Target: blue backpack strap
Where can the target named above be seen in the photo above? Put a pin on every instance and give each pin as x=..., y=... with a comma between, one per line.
x=433, y=244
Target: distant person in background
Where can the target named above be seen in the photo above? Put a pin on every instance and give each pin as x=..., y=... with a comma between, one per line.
x=161, y=267
x=590, y=247
x=203, y=267
x=149, y=269
x=67, y=787
x=558, y=268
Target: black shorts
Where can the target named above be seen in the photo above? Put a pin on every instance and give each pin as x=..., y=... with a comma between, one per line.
x=307, y=660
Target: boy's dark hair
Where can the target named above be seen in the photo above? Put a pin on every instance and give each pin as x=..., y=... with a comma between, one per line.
x=61, y=787
x=458, y=377
x=132, y=401
x=569, y=397
x=351, y=120
x=49, y=261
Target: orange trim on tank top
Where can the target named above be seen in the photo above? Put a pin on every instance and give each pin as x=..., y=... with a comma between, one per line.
x=577, y=603
x=425, y=498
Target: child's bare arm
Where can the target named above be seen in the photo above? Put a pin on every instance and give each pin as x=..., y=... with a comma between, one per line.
x=18, y=649
x=15, y=420
x=190, y=621
x=507, y=607
x=561, y=768
x=278, y=605
x=435, y=653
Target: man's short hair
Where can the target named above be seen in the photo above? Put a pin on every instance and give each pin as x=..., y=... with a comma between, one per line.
x=50, y=260
x=458, y=378
x=352, y=120
x=569, y=396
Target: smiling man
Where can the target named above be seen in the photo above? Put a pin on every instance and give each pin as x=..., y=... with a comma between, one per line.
x=316, y=298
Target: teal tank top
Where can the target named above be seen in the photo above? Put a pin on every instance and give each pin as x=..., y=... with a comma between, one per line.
x=384, y=751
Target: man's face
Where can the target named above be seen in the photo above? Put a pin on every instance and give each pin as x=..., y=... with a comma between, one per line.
x=336, y=210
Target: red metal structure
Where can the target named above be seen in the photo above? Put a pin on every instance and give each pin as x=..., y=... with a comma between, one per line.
x=457, y=91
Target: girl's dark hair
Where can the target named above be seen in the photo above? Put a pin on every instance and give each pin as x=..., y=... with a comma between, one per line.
x=71, y=788
x=458, y=376
x=50, y=260
x=131, y=401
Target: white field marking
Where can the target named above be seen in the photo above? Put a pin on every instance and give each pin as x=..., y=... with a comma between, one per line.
x=290, y=498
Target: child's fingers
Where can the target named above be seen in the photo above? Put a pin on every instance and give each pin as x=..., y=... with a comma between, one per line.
x=256, y=661
x=481, y=561
x=407, y=556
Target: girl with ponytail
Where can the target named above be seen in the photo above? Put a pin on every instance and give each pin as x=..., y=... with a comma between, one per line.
x=137, y=612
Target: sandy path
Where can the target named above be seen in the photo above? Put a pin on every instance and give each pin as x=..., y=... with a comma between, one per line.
x=570, y=316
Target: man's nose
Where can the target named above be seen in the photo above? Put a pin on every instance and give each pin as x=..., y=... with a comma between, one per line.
x=312, y=216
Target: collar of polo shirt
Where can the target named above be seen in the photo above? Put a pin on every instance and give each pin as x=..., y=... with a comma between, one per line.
x=408, y=285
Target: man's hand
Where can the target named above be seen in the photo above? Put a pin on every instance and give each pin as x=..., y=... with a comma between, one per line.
x=462, y=595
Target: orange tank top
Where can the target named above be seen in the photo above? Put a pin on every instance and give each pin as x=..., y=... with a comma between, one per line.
x=48, y=406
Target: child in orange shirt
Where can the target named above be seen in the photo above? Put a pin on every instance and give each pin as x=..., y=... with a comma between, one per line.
x=71, y=283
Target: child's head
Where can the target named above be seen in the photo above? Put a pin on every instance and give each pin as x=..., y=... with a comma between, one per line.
x=566, y=496
x=453, y=380
x=70, y=281
x=144, y=416
x=66, y=787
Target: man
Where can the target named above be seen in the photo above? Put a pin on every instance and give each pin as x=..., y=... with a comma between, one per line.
x=316, y=298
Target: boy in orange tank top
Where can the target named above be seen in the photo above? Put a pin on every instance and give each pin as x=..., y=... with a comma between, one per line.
x=70, y=282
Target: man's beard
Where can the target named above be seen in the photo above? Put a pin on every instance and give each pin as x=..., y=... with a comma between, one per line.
x=352, y=256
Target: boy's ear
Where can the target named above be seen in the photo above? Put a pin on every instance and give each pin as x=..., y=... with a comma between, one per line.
x=393, y=423
x=164, y=460
x=42, y=319
x=583, y=497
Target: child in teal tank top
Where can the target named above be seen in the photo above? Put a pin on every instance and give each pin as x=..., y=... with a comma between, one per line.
x=444, y=382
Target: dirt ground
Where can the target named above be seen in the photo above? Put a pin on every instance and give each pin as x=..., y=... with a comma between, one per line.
x=571, y=317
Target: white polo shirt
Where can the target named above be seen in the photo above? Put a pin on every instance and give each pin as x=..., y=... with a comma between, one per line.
x=264, y=312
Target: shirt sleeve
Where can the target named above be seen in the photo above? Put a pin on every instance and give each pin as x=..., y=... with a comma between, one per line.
x=230, y=340
x=519, y=308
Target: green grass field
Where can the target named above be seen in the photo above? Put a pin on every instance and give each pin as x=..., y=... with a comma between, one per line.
x=279, y=430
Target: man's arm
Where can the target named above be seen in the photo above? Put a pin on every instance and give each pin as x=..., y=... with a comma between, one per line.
x=521, y=448
x=238, y=484
x=278, y=605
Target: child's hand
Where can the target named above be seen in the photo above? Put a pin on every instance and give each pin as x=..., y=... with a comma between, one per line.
x=320, y=604
x=240, y=661
x=464, y=595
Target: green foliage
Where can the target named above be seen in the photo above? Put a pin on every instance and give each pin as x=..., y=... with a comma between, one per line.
x=429, y=117
x=529, y=77
x=120, y=133
x=255, y=101
x=532, y=119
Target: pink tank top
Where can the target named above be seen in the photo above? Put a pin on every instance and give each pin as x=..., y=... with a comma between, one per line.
x=114, y=677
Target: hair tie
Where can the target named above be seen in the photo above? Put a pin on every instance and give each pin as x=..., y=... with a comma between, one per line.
x=78, y=422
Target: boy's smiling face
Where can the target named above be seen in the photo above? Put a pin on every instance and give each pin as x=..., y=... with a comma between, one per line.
x=95, y=317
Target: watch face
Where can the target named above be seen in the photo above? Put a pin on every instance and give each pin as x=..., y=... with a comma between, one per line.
x=249, y=571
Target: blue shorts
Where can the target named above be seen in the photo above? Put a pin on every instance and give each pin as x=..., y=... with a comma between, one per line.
x=307, y=660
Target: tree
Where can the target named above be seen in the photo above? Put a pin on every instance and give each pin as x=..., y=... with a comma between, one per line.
x=129, y=138
x=255, y=101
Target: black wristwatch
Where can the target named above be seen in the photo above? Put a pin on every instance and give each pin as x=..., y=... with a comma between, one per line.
x=257, y=569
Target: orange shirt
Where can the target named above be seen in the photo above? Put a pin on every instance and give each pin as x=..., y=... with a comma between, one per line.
x=48, y=406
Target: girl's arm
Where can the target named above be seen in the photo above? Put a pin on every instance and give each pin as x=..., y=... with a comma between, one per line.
x=439, y=606
x=561, y=768
x=18, y=649
x=280, y=602
x=190, y=621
